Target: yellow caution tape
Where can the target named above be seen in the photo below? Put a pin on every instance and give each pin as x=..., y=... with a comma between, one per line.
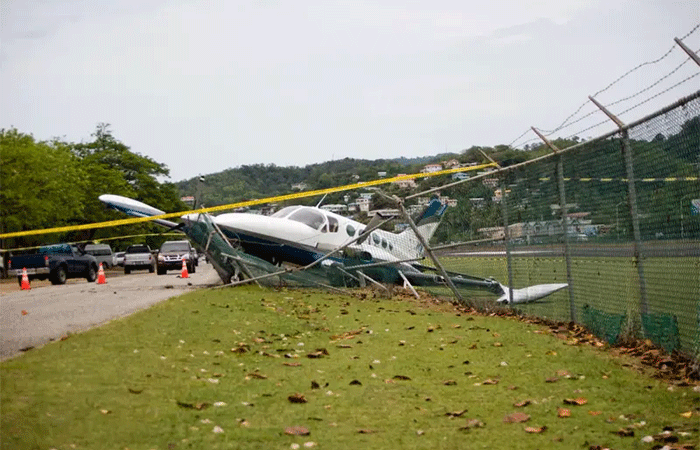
x=96, y=241
x=280, y=198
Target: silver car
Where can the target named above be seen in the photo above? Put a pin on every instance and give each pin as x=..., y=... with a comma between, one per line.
x=139, y=257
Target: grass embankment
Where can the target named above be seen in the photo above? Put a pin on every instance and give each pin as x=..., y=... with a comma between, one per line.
x=215, y=369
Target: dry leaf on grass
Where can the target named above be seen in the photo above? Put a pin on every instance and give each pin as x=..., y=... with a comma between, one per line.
x=257, y=376
x=198, y=406
x=625, y=432
x=297, y=431
x=516, y=417
x=522, y=403
x=563, y=412
x=473, y=423
x=575, y=401
x=297, y=398
x=402, y=377
x=292, y=364
x=535, y=430
x=456, y=413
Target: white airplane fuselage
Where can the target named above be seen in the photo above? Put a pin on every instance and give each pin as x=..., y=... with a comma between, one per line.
x=302, y=234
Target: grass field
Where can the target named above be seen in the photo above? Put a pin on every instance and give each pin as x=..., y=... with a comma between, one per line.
x=219, y=369
x=608, y=284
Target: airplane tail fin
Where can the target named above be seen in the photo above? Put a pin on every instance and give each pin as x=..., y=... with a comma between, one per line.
x=427, y=223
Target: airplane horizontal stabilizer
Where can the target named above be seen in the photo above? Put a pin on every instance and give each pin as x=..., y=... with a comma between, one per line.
x=529, y=294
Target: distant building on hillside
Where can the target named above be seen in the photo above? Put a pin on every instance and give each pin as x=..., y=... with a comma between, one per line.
x=451, y=164
x=299, y=186
x=338, y=209
x=432, y=168
x=363, y=204
x=406, y=184
x=490, y=182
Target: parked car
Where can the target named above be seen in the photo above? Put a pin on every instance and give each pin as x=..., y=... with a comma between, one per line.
x=102, y=253
x=119, y=259
x=139, y=257
x=171, y=255
x=56, y=262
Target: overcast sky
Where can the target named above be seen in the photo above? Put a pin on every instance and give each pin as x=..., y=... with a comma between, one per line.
x=204, y=86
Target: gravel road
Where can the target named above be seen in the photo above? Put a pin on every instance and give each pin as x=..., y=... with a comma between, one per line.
x=46, y=312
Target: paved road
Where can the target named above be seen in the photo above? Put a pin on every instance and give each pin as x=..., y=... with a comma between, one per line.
x=54, y=311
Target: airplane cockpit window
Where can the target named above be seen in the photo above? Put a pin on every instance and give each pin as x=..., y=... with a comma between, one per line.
x=309, y=217
x=285, y=211
x=332, y=224
x=350, y=230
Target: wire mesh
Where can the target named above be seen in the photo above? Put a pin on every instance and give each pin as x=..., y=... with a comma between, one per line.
x=630, y=276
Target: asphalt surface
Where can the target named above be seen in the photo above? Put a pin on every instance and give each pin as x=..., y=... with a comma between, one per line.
x=649, y=249
x=51, y=312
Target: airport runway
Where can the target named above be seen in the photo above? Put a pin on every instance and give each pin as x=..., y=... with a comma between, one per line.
x=54, y=311
x=650, y=250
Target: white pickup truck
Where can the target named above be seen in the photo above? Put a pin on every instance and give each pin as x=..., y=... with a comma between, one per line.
x=139, y=257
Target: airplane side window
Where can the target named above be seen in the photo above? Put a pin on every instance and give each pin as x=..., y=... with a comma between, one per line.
x=350, y=230
x=391, y=247
x=376, y=239
x=384, y=243
x=332, y=224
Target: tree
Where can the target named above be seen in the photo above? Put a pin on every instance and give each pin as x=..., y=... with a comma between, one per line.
x=111, y=167
x=42, y=185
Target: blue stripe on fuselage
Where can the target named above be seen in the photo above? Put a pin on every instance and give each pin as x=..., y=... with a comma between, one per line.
x=266, y=248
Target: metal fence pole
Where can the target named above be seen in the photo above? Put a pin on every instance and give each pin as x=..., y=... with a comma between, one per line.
x=430, y=253
x=632, y=200
x=506, y=237
x=565, y=225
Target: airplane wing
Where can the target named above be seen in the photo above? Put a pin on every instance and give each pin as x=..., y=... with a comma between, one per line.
x=135, y=208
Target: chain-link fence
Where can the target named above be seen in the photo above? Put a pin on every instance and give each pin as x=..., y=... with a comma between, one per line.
x=614, y=217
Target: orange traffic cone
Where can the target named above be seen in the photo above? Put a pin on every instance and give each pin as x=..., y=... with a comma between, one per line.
x=184, y=273
x=101, y=279
x=25, y=280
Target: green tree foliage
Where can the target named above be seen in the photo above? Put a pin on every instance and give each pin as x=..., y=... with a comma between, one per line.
x=111, y=167
x=49, y=184
x=41, y=184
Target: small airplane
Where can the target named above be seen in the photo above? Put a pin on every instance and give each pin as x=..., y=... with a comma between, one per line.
x=302, y=235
